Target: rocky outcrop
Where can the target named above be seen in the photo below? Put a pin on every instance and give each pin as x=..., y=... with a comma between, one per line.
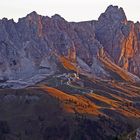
x=119, y=38
x=29, y=47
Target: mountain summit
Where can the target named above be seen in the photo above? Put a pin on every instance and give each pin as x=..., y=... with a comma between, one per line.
x=115, y=13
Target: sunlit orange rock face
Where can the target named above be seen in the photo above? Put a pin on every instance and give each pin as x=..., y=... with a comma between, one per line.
x=72, y=54
x=67, y=63
x=120, y=38
x=40, y=27
x=130, y=49
x=36, y=20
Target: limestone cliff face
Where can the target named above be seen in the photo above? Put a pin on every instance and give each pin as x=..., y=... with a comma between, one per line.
x=72, y=54
x=31, y=42
x=120, y=38
x=27, y=47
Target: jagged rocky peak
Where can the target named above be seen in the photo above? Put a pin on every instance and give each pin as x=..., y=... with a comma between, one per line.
x=113, y=14
x=57, y=17
x=120, y=38
x=5, y=19
x=33, y=14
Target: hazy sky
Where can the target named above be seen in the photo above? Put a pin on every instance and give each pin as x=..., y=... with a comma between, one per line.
x=71, y=10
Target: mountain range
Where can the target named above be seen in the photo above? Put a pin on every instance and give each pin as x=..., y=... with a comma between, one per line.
x=70, y=80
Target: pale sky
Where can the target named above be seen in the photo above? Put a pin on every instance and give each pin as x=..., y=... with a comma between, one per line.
x=71, y=10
